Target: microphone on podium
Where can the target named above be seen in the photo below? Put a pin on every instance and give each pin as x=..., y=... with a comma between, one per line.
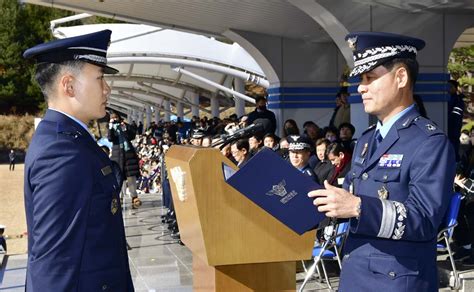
x=258, y=126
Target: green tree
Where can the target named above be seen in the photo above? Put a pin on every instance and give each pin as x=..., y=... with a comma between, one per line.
x=461, y=65
x=21, y=26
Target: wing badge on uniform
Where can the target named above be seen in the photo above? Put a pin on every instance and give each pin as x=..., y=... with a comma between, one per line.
x=383, y=193
x=114, y=206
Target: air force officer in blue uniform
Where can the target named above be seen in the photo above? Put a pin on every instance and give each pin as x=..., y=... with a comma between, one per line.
x=400, y=183
x=76, y=239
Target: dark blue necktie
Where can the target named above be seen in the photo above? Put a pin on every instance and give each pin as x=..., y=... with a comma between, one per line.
x=377, y=140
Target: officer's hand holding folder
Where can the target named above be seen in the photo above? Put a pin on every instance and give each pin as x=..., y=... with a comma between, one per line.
x=277, y=187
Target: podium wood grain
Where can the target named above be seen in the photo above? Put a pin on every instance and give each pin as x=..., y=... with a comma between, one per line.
x=230, y=236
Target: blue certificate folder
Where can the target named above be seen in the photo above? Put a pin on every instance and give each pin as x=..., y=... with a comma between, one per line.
x=279, y=188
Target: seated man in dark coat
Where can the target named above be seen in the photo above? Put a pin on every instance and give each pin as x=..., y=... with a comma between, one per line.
x=324, y=167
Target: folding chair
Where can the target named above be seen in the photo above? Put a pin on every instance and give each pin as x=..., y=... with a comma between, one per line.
x=329, y=250
x=446, y=233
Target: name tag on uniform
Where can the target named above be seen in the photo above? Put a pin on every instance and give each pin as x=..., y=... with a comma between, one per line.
x=391, y=160
x=106, y=170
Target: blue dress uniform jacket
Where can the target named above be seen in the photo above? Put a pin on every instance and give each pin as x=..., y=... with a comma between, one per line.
x=307, y=170
x=76, y=239
x=405, y=188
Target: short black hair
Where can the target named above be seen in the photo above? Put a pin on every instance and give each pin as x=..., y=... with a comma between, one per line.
x=347, y=125
x=259, y=98
x=273, y=136
x=411, y=65
x=47, y=73
x=321, y=141
x=308, y=123
x=242, y=144
x=334, y=149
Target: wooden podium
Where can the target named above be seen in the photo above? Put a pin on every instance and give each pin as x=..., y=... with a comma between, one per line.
x=236, y=245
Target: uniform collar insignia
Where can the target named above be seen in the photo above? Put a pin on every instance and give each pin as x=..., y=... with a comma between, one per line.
x=430, y=127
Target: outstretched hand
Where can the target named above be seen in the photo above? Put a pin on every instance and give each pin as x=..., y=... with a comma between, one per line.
x=335, y=202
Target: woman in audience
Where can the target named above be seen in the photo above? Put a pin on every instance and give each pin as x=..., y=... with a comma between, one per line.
x=290, y=128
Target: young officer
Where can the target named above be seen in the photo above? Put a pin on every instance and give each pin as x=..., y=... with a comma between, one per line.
x=401, y=179
x=76, y=238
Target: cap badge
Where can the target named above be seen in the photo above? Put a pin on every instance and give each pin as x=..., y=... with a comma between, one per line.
x=352, y=43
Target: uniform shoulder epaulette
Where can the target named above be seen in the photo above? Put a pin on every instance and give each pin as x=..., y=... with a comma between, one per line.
x=68, y=131
x=427, y=126
x=369, y=128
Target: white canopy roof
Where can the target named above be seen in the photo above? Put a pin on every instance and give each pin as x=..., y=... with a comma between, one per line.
x=145, y=55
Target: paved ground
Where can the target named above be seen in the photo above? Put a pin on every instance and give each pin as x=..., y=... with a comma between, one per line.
x=12, y=209
x=157, y=262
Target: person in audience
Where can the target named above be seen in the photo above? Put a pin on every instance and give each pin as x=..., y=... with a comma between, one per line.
x=324, y=167
x=283, y=148
x=312, y=130
x=341, y=160
x=226, y=151
x=464, y=233
x=144, y=182
x=76, y=236
x=399, y=187
x=299, y=148
x=261, y=112
x=240, y=150
x=290, y=128
x=206, y=141
x=342, y=112
x=331, y=134
x=196, y=137
x=455, y=114
x=271, y=141
x=346, y=132
x=123, y=152
x=255, y=143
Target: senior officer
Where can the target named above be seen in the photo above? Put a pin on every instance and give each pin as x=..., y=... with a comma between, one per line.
x=401, y=179
x=76, y=238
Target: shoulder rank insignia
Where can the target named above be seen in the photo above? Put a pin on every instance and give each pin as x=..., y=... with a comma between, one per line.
x=430, y=127
x=106, y=170
x=369, y=128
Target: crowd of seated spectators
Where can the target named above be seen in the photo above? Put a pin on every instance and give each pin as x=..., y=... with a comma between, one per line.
x=328, y=158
